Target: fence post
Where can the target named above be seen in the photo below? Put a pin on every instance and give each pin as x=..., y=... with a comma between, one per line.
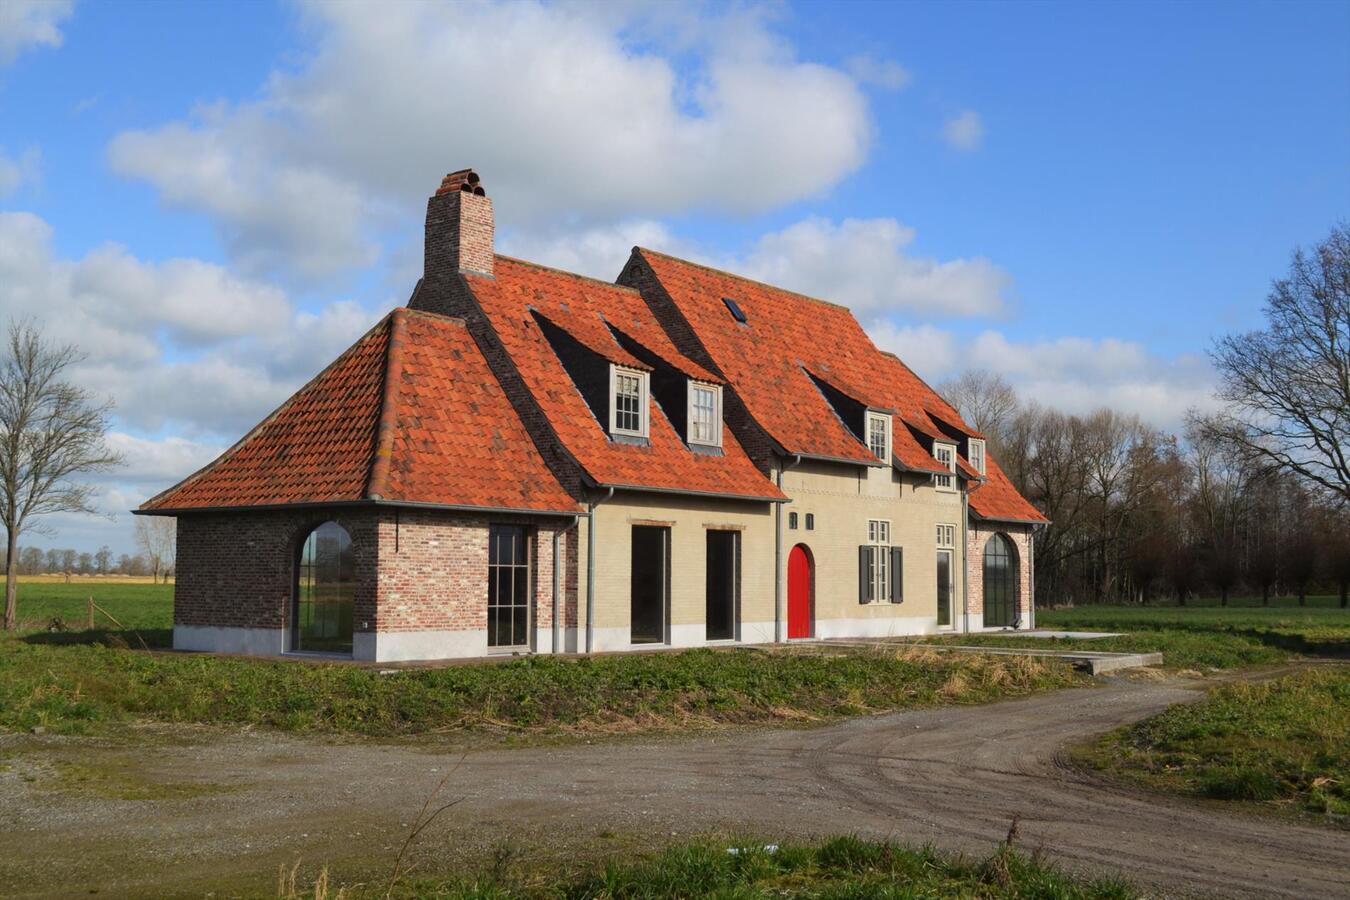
x=91, y=612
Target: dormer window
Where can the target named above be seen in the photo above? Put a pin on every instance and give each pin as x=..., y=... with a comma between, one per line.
x=945, y=454
x=705, y=414
x=628, y=402
x=975, y=453
x=879, y=435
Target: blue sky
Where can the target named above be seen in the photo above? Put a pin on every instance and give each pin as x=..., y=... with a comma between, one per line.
x=215, y=199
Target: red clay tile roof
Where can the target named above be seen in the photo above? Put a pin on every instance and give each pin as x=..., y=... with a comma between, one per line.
x=519, y=290
x=998, y=500
x=785, y=336
x=409, y=413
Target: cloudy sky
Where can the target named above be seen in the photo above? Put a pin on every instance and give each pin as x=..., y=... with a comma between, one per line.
x=213, y=200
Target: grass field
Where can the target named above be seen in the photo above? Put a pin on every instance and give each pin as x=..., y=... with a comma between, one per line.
x=1284, y=744
x=844, y=868
x=82, y=681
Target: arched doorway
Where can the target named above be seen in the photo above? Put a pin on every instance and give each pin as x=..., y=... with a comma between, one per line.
x=800, y=592
x=1000, y=582
x=325, y=587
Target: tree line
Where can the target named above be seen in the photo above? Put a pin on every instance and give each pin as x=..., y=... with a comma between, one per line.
x=52, y=561
x=1253, y=497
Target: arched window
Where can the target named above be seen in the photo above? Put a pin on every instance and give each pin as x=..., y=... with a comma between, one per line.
x=1000, y=582
x=325, y=589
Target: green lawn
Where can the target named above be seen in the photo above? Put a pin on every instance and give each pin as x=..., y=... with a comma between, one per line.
x=1281, y=744
x=1194, y=637
x=80, y=681
x=843, y=868
x=147, y=608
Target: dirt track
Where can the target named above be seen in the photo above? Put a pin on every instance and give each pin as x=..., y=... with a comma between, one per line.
x=224, y=809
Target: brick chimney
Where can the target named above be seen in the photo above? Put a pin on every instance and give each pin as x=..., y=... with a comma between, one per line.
x=459, y=227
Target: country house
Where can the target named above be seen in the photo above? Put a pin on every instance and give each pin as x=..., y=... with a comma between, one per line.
x=527, y=460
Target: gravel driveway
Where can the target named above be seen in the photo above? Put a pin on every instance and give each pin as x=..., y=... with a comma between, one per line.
x=190, y=811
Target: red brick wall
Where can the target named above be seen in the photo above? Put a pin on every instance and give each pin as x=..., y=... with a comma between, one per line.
x=459, y=235
x=417, y=570
x=978, y=535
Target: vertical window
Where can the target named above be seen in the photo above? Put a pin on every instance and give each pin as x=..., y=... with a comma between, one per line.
x=792, y=521
x=508, y=586
x=945, y=454
x=879, y=435
x=705, y=414
x=975, y=453
x=946, y=541
x=629, y=406
x=324, y=592
x=879, y=566
x=810, y=521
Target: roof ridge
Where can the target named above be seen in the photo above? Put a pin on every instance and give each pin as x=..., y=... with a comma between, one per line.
x=387, y=422
x=600, y=281
x=270, y=417
x=917, y=377
x=765, y=284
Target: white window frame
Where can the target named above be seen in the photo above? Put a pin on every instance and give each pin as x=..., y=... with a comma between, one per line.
x=716, y=391
x=946, y=536
x=879, y=567
x=940, y=449
x=885, y=421
x=644, y=394
x=973, y=445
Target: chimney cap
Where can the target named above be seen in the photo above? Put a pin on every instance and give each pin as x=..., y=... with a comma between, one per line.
x=465, y=180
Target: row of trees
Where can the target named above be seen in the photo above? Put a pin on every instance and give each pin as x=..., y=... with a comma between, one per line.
x=35, y=561
x=1253, y=497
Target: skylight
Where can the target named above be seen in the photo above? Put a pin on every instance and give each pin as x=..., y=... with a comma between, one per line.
x=735, y=309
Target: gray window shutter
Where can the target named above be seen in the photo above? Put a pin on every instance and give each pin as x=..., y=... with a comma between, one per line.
x=864, y=576
x=897, y=574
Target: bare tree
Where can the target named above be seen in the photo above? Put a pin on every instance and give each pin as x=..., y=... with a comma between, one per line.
x=51, y=434
x=102, y=559
x=1287, y=388
x=157, y=537
x=985, y=400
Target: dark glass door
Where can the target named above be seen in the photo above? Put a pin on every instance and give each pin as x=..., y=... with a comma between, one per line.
x=650, y=583
x=998, y=583
x=723, y=584
x=508, y=587
x=324, y=592
x=944, y=588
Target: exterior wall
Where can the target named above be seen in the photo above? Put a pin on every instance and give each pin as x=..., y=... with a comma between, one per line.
x=689, y=520
x=421, y=581
x=979, y=534
x=236, y=575
x=842, y=500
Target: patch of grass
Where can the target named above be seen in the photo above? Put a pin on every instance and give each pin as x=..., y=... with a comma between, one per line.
x=81, y=688
x=842, y=868
x=1281, y=744
x=1193, y=637
x=147, y=608
x=119, y=782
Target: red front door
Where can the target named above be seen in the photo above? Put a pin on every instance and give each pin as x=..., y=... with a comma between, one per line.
x=799, y=593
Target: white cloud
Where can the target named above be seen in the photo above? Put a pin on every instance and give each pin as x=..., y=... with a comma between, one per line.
x=599, y=252
x=964, y=131
x=182, y=344
x=883, y=73
x=1073, y=374
x=15, y=171
x=566, y=120
x=863, y=264
x=30, y=23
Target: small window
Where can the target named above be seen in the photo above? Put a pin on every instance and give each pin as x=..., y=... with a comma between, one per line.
x=975, y=453
x=879, y=566
x=792, y=521
x=946, y=535
x=810, y=521
x=628, y=410
x=705, y=414
x=945, y=454
x=879, y=435
x=735, y=309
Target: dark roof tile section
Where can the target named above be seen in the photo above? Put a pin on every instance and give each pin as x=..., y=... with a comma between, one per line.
x=409, y=413
x=590, y=311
